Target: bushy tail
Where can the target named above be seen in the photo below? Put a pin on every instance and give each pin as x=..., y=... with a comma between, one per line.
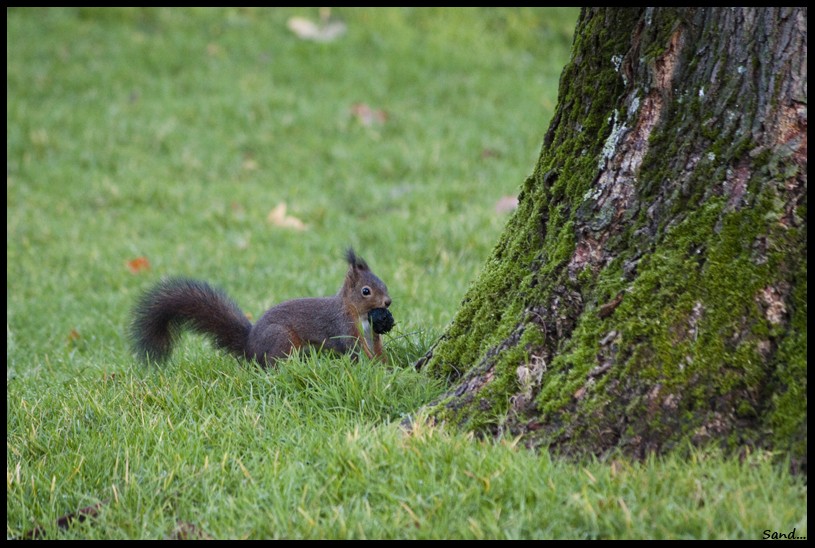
x=177, y=303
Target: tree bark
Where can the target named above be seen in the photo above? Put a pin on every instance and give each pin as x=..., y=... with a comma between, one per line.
x=650, y=289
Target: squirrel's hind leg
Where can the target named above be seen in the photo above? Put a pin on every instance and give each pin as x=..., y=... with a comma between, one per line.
x=272, y=342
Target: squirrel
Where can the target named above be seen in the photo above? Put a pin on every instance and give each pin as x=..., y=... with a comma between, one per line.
x=348, y=322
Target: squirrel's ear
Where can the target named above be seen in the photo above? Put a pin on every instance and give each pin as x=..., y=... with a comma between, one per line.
x=355, y=262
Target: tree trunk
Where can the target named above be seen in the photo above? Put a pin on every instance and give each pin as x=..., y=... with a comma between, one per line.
x=650, y=289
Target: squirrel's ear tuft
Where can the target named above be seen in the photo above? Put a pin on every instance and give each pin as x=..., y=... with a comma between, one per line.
x=354, y=260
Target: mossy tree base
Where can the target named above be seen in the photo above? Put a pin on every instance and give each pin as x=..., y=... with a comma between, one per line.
x=650, y=289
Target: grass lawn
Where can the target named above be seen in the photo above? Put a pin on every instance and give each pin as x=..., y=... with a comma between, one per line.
x=218, y=144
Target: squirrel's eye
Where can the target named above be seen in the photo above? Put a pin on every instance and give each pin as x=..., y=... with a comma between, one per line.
x=366, y=290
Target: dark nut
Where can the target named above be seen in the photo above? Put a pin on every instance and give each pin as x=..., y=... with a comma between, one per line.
x=381, y=320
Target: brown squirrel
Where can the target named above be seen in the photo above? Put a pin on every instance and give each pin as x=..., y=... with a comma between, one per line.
x=350, y=321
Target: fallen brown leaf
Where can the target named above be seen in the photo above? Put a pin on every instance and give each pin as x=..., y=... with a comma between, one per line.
x=64, y=522
x=187, y=531
x=139, y=264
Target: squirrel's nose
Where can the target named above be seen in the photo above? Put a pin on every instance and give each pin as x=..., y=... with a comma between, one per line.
x=387, y=302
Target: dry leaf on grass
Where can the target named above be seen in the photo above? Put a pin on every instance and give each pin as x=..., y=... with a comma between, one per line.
x=249, y=164
x=278, y=217
x=305, y=29
x=368, y=116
